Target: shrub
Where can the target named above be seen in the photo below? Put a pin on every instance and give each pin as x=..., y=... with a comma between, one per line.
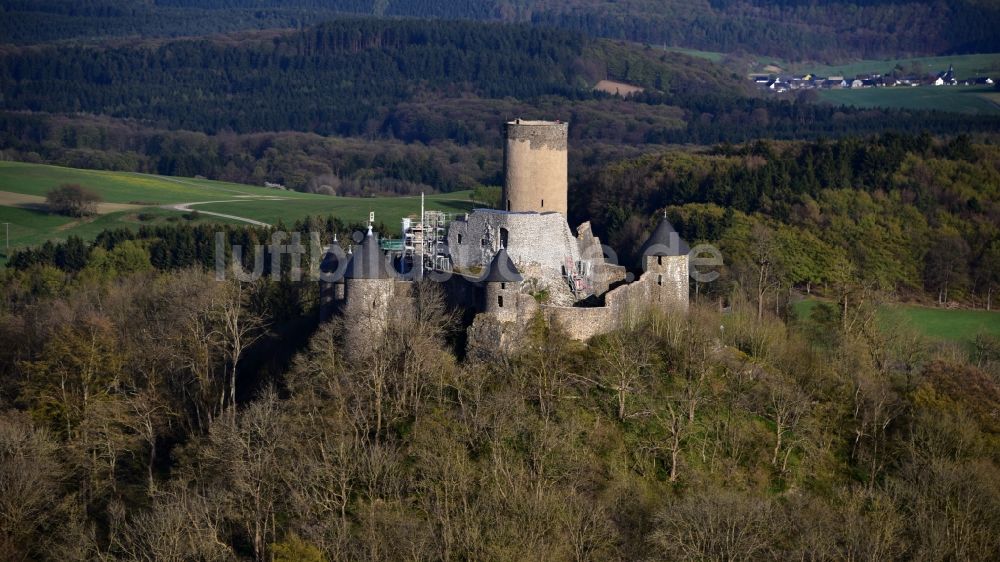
x=72, y=200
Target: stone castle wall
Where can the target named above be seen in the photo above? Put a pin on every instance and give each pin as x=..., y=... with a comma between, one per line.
x=627, y=305
x=581, y=323
x=540, y=239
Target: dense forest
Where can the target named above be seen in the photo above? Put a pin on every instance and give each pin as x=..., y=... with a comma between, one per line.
x=907, y=214
x=154, y=413
x=792, y=29
x=417, y=105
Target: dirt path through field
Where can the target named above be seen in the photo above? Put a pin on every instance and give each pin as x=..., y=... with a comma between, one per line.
x=37, y=203
x=186, y=208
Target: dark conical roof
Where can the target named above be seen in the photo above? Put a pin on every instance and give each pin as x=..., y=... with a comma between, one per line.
x=330, y=262
x=367, y=261
x=664, y=241
x=502, y=270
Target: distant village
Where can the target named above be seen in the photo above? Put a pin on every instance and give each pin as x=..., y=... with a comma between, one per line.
x=786, y=82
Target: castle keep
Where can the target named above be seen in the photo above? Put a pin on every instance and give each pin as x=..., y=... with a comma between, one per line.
x=535, y=163
x=509, y=265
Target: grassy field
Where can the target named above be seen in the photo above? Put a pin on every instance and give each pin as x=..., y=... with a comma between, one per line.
x=30, y=225
x=762, y=61
x=974, y=100
x=966, y=66
x=388, y=210
x=944, y=324
x=120, y=187
x=935, y=323
x=707, y=55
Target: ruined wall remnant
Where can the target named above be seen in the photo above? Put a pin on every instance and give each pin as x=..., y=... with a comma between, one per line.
x=532, y=239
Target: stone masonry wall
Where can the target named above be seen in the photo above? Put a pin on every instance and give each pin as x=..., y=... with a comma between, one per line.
x=580, y=323
x=669, y=277
x=541, y=239
x=624, y=307
x=601, y=274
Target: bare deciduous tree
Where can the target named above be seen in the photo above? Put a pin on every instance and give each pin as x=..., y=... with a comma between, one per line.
x=624, y=357
x=716, y=525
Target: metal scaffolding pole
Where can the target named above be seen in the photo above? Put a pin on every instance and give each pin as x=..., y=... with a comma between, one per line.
x=423, y=237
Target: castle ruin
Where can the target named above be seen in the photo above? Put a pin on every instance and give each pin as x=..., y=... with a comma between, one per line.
x=508, y=266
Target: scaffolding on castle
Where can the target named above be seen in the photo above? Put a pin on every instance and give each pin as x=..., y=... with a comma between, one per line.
x=577, y=276
x=425, y=241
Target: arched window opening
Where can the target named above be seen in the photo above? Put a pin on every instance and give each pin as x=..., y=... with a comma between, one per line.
x=504, y=237
x=500, y=301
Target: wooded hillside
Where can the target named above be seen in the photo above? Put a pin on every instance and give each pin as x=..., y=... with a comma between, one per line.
x=149, y=415
x=791, y=29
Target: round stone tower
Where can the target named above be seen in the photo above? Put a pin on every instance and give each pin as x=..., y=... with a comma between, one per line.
x=535, y=166
x=502, y=284
x=665, y=262
x=368, y=288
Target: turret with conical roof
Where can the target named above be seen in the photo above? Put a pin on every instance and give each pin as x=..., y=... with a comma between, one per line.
x=331, y=286
x=368, y=288
x=664, y=241
x=367, y=261
x=501, y=269
x=502, y=284
x=664, y=258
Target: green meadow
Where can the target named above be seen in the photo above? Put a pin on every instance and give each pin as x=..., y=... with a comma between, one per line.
x=29, y=223
x=975, y=100
x=29, y=227
x=707, y=55
x=121, y=187
x=966, y=66
x=942, y=324
x=388, y=210
x=945, y=324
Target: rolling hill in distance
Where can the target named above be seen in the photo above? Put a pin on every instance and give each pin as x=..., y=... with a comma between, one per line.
x=794, y=29
x=136, y=200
